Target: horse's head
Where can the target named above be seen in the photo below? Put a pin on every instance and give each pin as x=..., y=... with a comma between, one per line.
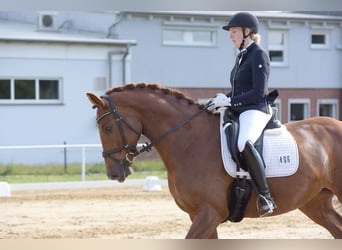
x=118, y=136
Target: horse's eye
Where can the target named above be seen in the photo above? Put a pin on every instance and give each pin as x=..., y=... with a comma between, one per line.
x=108, y=129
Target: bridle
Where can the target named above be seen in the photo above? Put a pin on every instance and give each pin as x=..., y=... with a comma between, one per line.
x=132, y=150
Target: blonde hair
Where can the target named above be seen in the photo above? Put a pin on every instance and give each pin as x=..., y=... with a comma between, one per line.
x=256, y=37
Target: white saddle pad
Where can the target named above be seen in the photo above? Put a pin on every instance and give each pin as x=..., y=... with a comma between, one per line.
x=280, y=153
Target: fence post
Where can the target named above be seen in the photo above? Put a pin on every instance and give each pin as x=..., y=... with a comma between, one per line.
x=83, y=163
x=65, y=159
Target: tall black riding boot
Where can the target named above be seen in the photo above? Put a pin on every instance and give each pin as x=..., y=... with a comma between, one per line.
x=256, y=169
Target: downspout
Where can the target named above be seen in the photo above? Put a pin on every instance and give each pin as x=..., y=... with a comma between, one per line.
x=124, y=54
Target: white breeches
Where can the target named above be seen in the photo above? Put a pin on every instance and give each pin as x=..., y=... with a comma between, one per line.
x=252, y=123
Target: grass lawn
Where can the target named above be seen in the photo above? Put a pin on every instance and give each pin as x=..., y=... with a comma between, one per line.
x=18, y=173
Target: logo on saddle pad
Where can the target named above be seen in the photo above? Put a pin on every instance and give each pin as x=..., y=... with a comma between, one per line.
x=280, y=153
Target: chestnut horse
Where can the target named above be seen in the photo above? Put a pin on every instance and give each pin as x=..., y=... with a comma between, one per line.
x=187, y=139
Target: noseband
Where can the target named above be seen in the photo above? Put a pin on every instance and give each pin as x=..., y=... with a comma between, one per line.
x=132, y=150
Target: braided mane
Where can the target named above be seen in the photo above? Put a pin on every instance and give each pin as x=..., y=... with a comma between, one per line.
x=154, y=87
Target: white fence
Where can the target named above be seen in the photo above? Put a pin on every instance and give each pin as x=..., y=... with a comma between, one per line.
x=82, y=147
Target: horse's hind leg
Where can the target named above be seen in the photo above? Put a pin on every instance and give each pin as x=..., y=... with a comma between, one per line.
x=321, y=211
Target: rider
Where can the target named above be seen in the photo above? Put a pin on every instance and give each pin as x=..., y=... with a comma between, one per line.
x=248, y=99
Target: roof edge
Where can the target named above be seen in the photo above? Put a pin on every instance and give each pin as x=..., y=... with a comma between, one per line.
x=94, y=41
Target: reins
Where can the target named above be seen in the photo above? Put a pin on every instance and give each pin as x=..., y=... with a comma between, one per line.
x=148, y=146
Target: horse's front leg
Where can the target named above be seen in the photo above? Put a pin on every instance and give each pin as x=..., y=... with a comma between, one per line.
x=204, y=225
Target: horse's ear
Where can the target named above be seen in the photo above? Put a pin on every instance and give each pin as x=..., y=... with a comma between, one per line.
x=95, y=100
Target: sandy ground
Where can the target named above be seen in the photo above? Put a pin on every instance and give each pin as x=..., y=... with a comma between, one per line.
x=128, y=213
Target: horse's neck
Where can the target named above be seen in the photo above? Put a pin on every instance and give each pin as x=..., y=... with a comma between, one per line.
x=185, y=142
x=158, y=118
x=160, y=114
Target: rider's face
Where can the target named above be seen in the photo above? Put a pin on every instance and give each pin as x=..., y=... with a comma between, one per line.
x=235, y=34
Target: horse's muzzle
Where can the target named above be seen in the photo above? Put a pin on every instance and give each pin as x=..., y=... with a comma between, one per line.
x=119, y=173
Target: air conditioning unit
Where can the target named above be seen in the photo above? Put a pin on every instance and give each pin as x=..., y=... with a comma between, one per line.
x=47, y=21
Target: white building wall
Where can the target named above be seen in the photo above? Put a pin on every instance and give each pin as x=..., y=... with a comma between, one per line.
x=175, y=66
x=307, y=67
x=73, y=120
x=205, y=67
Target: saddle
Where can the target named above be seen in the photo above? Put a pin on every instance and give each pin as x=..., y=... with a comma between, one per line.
x=241, y=190
x=231, y=128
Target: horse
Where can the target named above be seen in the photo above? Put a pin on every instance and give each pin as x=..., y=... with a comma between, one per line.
x=187, y=138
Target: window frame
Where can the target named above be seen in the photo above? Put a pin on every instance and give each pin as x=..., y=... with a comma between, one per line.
x=304, y=101
x=275, y=47
x=188, y=31
x=36, y=100
x=326, y=33
x=331, y=101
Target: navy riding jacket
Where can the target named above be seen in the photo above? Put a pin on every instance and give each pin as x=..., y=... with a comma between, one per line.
x=249, y=80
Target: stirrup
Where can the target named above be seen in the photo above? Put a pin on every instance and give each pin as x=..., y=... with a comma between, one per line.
x=267, y=202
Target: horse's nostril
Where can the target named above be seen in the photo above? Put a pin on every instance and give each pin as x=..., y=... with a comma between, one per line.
x=113, y=177
x=116, y=177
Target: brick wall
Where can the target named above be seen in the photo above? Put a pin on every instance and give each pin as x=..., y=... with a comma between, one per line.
x=284, y=96
x=312, y=94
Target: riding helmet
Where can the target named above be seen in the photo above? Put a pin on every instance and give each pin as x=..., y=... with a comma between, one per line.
x=243, y=19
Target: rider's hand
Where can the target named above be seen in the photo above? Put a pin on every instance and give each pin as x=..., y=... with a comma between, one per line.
x=218, y=101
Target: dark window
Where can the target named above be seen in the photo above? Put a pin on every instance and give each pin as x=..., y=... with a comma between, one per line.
x=48, y=89
x=276, y=55
x=5, y=89
x=317, y=39
x=30, y=90
x=24, y=89
x=297, y=111
x=326, y=110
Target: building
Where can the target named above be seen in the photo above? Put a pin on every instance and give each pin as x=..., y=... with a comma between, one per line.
x=46, y=69
x=50, y=59
x=195, y=55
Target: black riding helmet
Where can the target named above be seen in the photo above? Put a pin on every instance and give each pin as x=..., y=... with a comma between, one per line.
x=244, y=20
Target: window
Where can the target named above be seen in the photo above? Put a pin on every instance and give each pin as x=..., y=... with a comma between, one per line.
x=24, y=89
x=48, y=90
x=277, y=47
x=30, y=91
x=320, y=40
x=327, y=107
x=298, y=109
x=5, y=89
x=185, y=35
